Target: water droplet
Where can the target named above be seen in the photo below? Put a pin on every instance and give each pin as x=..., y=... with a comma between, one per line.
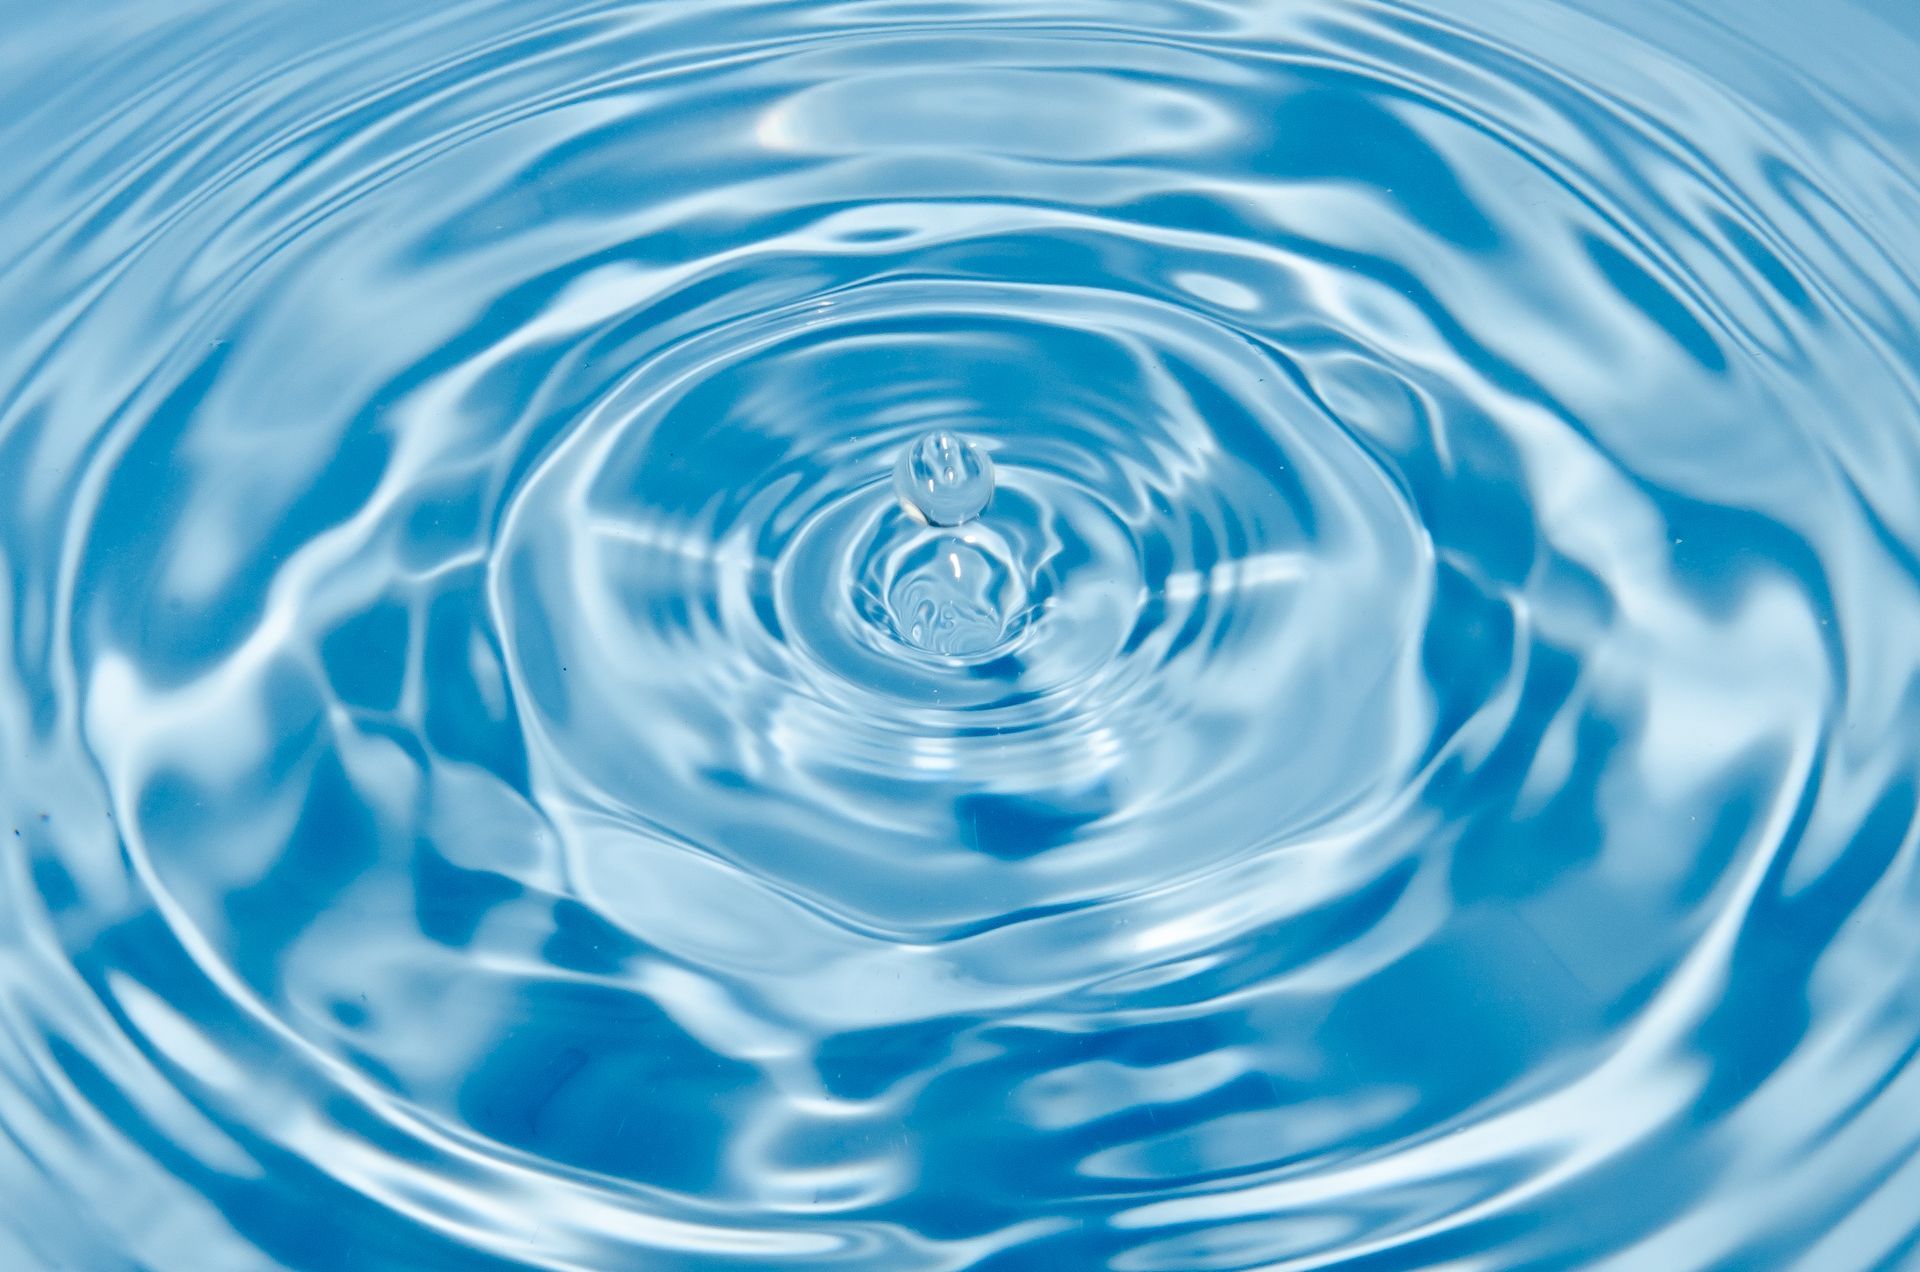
x=944, y=479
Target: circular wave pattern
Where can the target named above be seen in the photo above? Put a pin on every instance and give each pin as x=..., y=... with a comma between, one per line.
x=743, y=664
x=1411, y=766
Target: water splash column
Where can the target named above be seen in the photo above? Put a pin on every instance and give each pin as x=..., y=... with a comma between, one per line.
x=953, y=588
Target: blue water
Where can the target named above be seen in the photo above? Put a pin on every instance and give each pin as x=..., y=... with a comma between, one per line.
x=917, y=635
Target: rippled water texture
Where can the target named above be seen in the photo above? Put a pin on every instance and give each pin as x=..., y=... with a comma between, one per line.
x=1153, y=635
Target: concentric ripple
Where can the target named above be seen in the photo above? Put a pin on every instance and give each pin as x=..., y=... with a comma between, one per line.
x=731, y=674
x=1148, y=635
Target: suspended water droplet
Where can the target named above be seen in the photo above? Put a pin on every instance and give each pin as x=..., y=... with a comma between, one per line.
x=944, y=479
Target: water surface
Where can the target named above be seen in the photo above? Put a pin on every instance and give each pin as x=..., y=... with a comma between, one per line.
x=1375, y=725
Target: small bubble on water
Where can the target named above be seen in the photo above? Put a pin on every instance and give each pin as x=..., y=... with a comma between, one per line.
x=944, y=479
